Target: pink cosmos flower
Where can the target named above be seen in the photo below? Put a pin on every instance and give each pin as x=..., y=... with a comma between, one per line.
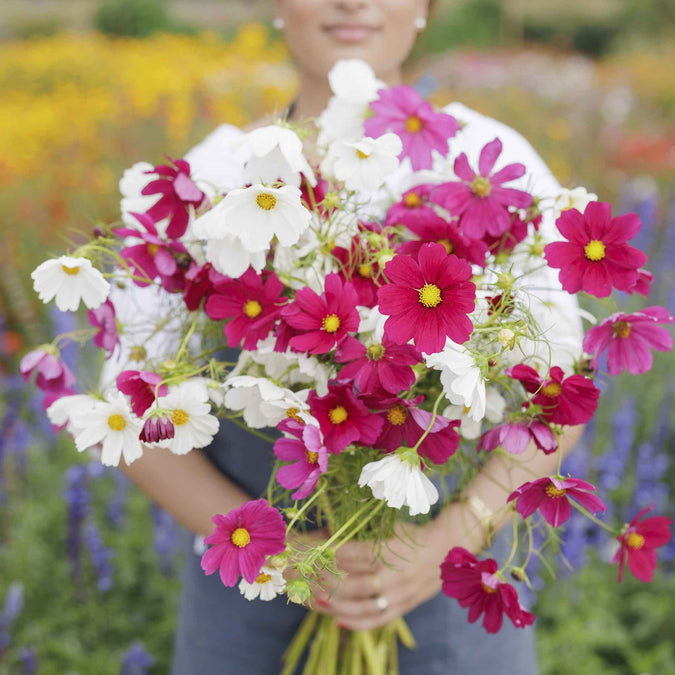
x=481, y=202
x=514, y=437
x=358, y=268
x=415, y=207
x=179, y=193
x=421, y=129
x=563, y=400
x=596, y=256
x=428, y=299
x=343, y=419
x=475, y=585
x=103, y=318
x=437, y=230
x=404, y=424
x=307, y=453
x=638, y=544
x=53, y=375
x=242, y=540
x=386, y=365
x=627, y=338
x=644, y=283
x=199, y=283
x=252, y=302
x=322, y=320
x=141, y=386
x=551, y=496
x=157, y=429
x=154, y=257
x=516, y=232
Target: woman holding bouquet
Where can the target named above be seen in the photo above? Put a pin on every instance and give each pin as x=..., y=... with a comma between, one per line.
x=219, y=631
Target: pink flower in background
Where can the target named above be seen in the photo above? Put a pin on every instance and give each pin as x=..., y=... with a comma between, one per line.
x=638, y=544
x=428, y=299
x=252, y=302
x=199, y=283
x=595, y=256
x=475, y=585
x=343, y=418
x=103, y=318
x=551, y=497
x=53, y=375
x=414, y=207
x=514, y=437
x=359, y=270
x=307, y=453
x=628, y=338
x=141, y=386
x=179, y=193
x=480, y=201
x=322, y=320
x=385, y=365
x=644, y=283
x=242, y=540
x=421, y=129
x=563, y=400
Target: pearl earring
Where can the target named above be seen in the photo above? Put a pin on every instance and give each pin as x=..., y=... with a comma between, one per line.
x=278, y=23
x=420, y=23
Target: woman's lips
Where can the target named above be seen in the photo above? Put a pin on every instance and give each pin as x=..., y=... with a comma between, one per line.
x=350, y=32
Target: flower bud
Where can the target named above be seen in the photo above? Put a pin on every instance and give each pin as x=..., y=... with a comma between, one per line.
x=298, y=591
x=506, y=338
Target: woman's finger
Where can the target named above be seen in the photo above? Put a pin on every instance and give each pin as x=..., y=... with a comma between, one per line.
x=355, y=586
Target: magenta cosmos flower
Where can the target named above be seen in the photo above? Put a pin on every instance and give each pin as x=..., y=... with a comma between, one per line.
x=551, y=497
x=200, y=281
x=475, y=585
x=53, y=375
x=307, y=454
x=638, y=544
x=480, y=201
x=384, y=365
x=563, y=400
x=343, y=419
x=628, y=338
x=242, y=540
x=428, y=299
x=322, y=320
x=360, y=270
x=252, y=302
x=514, y=437
x=141, y=385
x=414, y=207
x=103, y=318
x=595, y=256
x=178, y=193
x=420, y=128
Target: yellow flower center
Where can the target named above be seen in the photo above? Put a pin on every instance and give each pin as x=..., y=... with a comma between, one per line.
x=375, y=352
x=70, y=271
x=621, y=329
x=362, y=155
x=365, y=271
x=397, y=414
x=252, y=308
x=116, y=422
x=263, y=578
x=179, y=417
x=266, y=201
x=152, y=249
x=634, y=540
x=240, y=537
x=412, y=200
x=481, y=187
x=552, y=389
x=430, y=295
x=552, y=491
x=312, y=457
x=488, y=589
x=338, y=415
x=449, y=247
x=414, y=124
x=594, y=250
x=331, y=323
x=294, y=413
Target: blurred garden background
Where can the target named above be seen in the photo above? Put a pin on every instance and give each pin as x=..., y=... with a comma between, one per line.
x=88, y=568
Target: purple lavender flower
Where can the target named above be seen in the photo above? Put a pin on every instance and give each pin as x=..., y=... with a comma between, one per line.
x=78, y=499
x=10, y=610
x=28, y=661
x=167, y=538
x=116, y=506
x=101, y=557
x=136, y=661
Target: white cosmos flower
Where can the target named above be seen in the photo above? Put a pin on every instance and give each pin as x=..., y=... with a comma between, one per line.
x=461, y=378
x=363, y=164
x=110, y=423
x=131, y=184
x=470, y=428
x=276, y=155
x=61, y=411
x=69, y=280
x=399, y=480
x=255, y=215
x=268, y=584
x=576, y=198
x=229, y=257
x=190, y=409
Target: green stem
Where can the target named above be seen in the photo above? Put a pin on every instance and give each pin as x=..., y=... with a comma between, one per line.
x=346, y=526
x=305, y=506
x=186, y=339
x=514, y=545
x=361, y=525
x=590, y=516
x=431, y=423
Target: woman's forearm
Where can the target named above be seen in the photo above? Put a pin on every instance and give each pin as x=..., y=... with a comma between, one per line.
x=189, y=487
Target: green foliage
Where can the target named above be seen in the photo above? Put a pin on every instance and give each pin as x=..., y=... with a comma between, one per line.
x=133, y=18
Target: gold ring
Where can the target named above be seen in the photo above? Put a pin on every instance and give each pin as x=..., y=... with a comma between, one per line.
x=381, y=603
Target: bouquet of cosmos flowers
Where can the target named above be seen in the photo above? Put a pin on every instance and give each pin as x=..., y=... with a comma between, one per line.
x=399, y=311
